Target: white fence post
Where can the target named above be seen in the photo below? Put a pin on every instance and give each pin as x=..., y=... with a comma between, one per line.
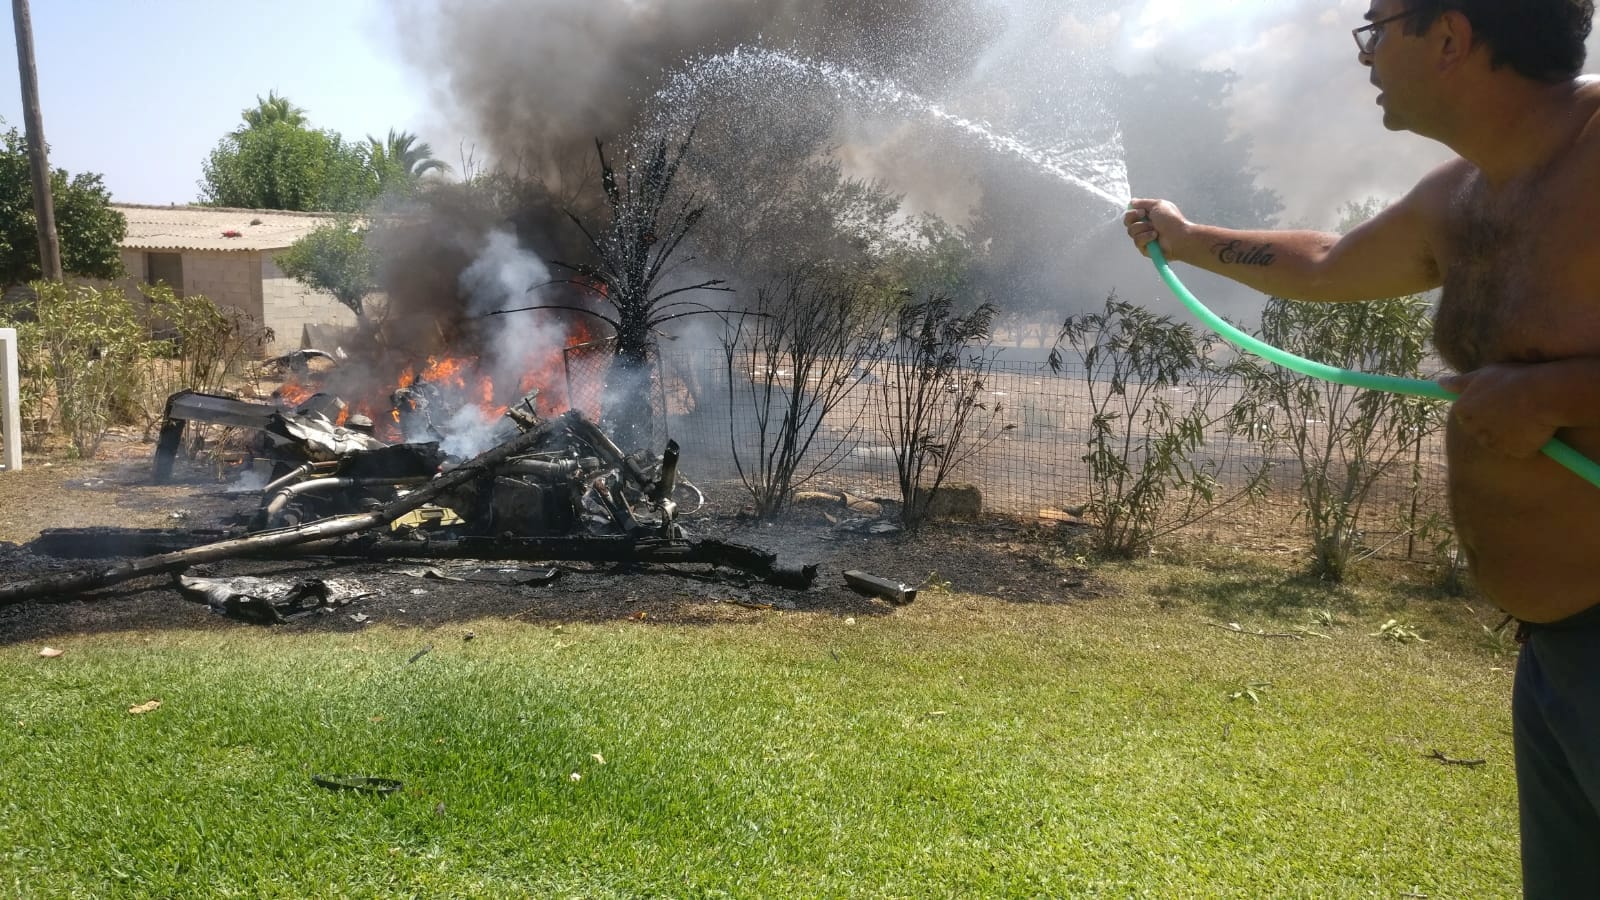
x=10, y=403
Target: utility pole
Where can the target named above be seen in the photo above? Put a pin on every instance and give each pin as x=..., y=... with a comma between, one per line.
x=44, y=207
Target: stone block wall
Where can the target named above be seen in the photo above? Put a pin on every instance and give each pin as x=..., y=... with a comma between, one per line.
x=227, y=278
x=290, y=306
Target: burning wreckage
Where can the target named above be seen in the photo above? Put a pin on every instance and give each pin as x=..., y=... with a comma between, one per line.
x=567, y=478
x=547, y=488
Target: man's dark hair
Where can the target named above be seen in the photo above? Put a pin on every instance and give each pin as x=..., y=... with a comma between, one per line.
x=1538, y=39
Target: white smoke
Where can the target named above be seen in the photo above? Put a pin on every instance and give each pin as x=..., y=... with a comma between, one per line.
x=1301, y=96
x=499, y=287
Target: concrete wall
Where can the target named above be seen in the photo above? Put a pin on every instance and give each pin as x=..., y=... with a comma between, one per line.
x=252, y=282
x=227, y=278
x=291, y=306
x=133, y=261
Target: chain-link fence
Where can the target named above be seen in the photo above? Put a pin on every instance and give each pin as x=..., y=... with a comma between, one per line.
x=1037, y=465
x=586, y=367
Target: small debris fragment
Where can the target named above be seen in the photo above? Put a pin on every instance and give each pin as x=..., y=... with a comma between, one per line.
x=468, y=636
x=365, y=784
x=51, y=652
x=269, y=601
x=143, y=708
x=1449, y=761
x=575, y=777
x=872, y=586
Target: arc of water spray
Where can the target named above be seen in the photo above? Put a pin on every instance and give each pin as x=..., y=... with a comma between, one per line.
x=1060, y=162
x=1558, y=450
x=1060, y=165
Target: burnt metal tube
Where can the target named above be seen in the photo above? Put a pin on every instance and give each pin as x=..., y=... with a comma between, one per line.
x=873, y=586
x=668, y=480
x=539, y=468
x=288, y=479
x=582, y=428
x=275, y=506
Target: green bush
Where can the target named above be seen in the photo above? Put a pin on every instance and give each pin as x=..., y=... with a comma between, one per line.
x=81, y=349
x=1346, y=440
x=1147, y=475
x=88, y=359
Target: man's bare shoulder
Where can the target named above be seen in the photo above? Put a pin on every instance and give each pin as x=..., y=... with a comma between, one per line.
x=1587, y=98
x=1427, y=210
x=1440, y=190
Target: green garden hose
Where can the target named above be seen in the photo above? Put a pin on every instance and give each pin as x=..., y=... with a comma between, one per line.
x=1560, y=451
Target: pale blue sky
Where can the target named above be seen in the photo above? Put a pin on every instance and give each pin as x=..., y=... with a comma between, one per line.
x=142, y=91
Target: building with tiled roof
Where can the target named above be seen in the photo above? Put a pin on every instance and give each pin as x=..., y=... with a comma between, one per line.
x=230, y=256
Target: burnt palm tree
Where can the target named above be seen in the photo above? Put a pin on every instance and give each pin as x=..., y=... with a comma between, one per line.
x=636, y=253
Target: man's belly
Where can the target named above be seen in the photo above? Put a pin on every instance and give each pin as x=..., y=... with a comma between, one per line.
x=1530, y=528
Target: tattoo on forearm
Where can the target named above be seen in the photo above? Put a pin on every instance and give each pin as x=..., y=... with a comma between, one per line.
x=1236, y=253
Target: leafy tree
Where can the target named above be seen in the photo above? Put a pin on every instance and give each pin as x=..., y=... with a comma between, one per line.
x=82, y=345
x=933, y=258
x=88, y=228
x=272, y=110
x=335, y=258
x=776, y=196
x=1178, y=144
x=1346, y=440
x=279, y=165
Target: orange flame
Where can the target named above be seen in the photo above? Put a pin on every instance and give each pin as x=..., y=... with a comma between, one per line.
x=293, y=393
x=461, y=382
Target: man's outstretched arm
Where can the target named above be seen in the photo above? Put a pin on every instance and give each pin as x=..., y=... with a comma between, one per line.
x=1389, y=255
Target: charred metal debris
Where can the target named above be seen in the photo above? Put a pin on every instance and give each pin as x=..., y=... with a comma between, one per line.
x=547, y=489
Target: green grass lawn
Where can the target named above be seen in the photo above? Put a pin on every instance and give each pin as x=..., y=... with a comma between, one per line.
x=963, y=746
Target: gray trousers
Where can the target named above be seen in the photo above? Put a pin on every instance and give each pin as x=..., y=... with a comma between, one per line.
x=1555, y=710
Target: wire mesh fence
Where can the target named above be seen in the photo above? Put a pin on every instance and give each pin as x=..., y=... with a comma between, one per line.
x=1038, y=464
x=587, y=366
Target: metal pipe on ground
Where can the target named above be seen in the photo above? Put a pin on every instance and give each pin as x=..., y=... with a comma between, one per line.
x=281, y=498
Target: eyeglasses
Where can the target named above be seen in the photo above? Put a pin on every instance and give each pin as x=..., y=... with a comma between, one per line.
x=1367, y=35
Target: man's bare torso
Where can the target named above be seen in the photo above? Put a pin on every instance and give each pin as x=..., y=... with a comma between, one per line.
x=1521, y=267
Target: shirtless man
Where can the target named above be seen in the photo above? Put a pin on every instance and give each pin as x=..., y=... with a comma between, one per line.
x=1511, y=231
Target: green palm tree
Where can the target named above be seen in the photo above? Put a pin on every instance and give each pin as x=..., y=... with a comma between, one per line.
x=402, y=151
x=271, y=111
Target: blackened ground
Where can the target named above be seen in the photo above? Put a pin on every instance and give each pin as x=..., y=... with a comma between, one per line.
x=1002, y=559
